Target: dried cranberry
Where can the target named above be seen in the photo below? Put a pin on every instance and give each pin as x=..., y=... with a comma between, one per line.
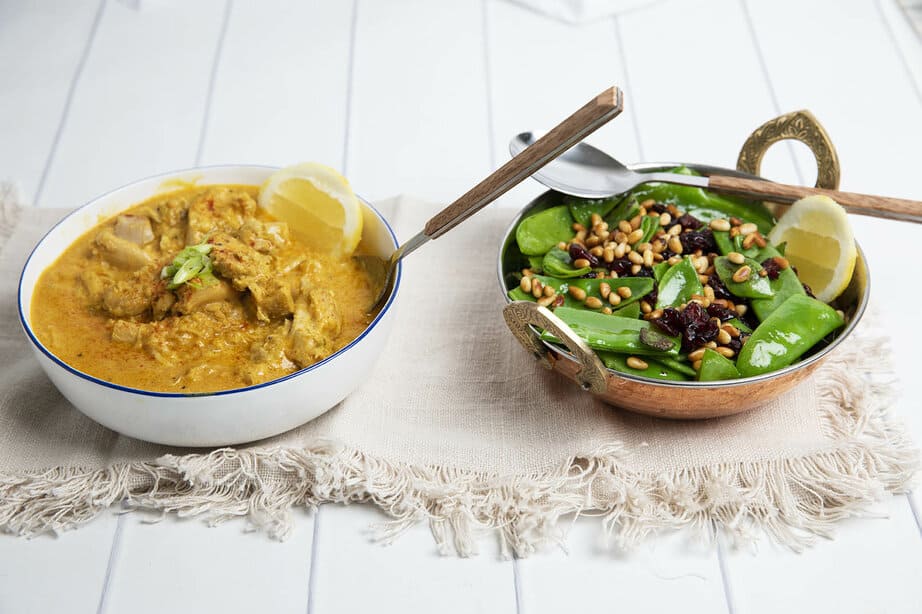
x=621, y=266
x=577, y=251
x=653, y=296
x=721, y=312
x=658, y=207
x=689, y=221
x=771, y=268
x=720, y=290
x=698, y=240
x=699, y=328
x=670, y=322
x=736, y=344
x=644, y=271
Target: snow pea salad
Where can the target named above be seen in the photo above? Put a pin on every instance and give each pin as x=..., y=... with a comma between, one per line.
x=669, y=282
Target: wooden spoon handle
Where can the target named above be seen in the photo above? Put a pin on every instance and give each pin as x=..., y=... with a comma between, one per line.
x=562, y=137
x=859, y=204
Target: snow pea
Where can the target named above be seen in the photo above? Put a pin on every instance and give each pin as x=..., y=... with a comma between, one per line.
x=655, y=369
x=755, y=286
x=538, y=233
x=786, y=286
x=677, y=363
x=677, y=285
x=610, y=332
x=536, y=263
x=783, y=337
x=716, y=367
x=640, y=287
x=558, y=263
x=624, y=210
x=582, y=208
x=725, y=244
x=632, y=310
x=659, y=269
x=702, y=204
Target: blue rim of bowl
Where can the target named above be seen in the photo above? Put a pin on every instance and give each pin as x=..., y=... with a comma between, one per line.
x=149, y=393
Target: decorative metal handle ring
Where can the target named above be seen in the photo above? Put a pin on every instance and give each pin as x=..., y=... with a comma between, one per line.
x=801, y=126
x=520, y=315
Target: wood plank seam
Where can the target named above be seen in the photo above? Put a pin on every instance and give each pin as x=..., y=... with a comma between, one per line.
x=350, y=77
x=632, y=113
x=724, y=575
x=209, y=93
x=773, y=95
x=488, y=78
x=314, y=558
x=517, y=585
x=891, y=34
x=915, y=511
x=68, y=100
x=114, y=552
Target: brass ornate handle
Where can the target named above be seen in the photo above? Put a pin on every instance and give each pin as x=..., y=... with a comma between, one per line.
x=520, y=315
x=800, y=126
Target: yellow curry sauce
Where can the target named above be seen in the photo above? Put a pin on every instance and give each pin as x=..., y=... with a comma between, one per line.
x=274, y=307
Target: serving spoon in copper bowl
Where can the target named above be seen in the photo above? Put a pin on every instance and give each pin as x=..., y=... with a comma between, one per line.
x=588, y=172
x=586, y=120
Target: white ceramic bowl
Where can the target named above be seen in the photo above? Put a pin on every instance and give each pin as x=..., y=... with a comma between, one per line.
x=207, y=419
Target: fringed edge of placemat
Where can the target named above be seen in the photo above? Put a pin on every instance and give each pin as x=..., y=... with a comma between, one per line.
x=793, y=500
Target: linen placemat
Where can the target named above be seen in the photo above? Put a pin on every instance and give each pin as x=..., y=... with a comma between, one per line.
x=459, y=426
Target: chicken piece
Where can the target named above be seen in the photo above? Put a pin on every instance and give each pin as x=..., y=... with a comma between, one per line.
x=129, y=297
x=95, y=285
x=162, y=302
x=222, y=210
x=271, y=298
x=125, y=331
x=121, y=253
x=263, y=237
x=134, y=229
x=237, y=261
x=314, y=328
x=192, y=299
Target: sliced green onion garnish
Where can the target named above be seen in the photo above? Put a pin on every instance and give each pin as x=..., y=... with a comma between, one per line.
x=192, y=265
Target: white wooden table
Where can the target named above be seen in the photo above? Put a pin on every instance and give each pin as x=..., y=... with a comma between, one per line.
x=421, y=97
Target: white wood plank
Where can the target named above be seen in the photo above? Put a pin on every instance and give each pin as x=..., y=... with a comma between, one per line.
x=866, y=568
x=667, y=573
x=36, y=83
x=280, y=92
x=419, y=102
x=63, y=573
x=184, y=566
x=904, y=36
x=354, y=574
x=137, y=108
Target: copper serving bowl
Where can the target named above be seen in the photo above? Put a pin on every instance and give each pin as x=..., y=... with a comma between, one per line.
x=692, y=399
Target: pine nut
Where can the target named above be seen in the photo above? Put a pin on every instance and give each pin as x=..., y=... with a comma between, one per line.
x=527, y=272
x=604, y=289
x=748, y=240
x=711, y=345
x=614, y=299
x=525, y=284
x=635, y=257
x=703, y=278
x=608, y=254
x=596, y=219
x=701, y=265
x=597, y=251
x=675, y=230
x=648, y=257
x=726, y=352
x=782, y=262
x=577, y=227
x=635, y=269
x=635, y=236
x=619, y=250
x=592, y=241
x=696, y=365
x=658, y=257
x=763, y=273
x=580, y=237
x=748, y=228
x=731, y=330
x=720, y=225
x=607, y=311
x=696, y=355
x=603, y=226
x=549, y=291
x=665, y=219
x=635, y=222
x=736, y=258
x=593, y=303
x=619, y=237
x=742, y=274
x=736, y=221
x=708, y=292
x=723, y=337
x=734, y=231
x=636, y=363
x=645, y=307
x=841, y=313
x=674, y=260
x=675, y=244
x=741, y=309
x=673, y=210
x=642, y=247
x=759, y=239
x=545, y=301
x=537, y=289
x=577, y=293
x=648, y=203
x=656, y=314
x=580, y=263
x=625, y=227
x=624, y=292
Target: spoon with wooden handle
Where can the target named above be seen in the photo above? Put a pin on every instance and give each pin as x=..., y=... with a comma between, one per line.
x=589, y=172
x=586, y=120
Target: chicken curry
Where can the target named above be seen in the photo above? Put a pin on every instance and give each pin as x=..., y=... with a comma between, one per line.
x=197, y=290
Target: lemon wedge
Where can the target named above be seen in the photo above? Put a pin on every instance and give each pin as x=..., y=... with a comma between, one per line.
x=318, y=205
x=820, y=244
